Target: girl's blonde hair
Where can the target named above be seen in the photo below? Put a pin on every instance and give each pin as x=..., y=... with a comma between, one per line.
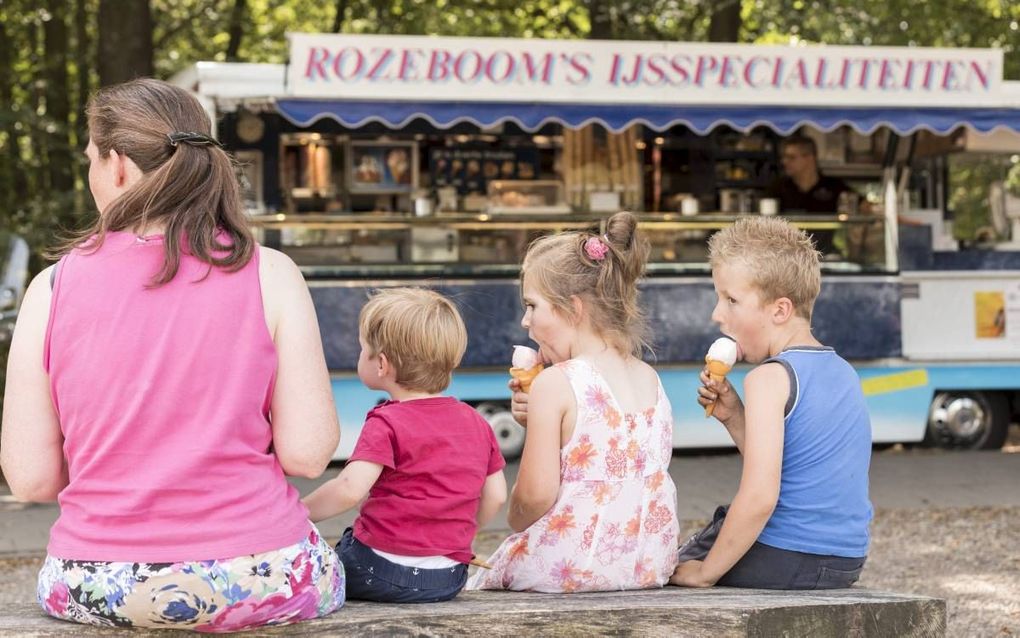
x=419, y=331
x=561, y=268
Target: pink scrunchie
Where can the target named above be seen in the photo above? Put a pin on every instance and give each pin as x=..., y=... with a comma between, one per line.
x=595, y=248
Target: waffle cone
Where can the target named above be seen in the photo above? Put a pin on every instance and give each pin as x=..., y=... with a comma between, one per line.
x=526, y=376
x=716, y=372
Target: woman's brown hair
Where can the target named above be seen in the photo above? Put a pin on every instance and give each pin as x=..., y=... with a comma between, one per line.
x=561, y=267
x=189, y=189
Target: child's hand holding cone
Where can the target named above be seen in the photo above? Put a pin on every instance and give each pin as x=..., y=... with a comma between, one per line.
x=525, y=366
x=719, y=360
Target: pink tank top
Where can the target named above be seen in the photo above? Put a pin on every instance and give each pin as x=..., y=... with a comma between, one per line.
x=163, y=396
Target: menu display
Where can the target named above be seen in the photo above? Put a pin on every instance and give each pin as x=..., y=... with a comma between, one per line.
x=469, y=170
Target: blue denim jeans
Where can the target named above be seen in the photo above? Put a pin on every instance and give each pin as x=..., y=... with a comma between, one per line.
x=372, y=577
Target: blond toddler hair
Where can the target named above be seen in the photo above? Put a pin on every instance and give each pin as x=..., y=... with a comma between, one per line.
x=421, y=333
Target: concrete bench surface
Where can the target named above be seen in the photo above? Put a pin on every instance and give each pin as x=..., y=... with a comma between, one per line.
x=659, y=612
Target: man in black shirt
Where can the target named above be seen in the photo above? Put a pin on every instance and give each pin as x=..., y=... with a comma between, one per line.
x=804, y=190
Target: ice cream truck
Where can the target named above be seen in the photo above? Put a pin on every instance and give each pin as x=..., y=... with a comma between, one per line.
x=378, y=161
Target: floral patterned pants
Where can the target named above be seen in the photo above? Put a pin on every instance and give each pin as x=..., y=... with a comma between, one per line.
x=299, y=582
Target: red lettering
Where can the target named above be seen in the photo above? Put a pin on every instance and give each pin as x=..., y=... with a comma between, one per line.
x=948, y=77
x=799, y=74
x=865, y=68
x=908, y=77
x=580, y=63
x=617, y=73
x=658, y=76
x=458, y=66
x=490, y=66
x=408, y=70
x=705, y=63
x=439, y=65
x=531, y=66
x=338, y=64
x=844, y=76
x=928, y=73
x=317, y=64
x=820, y=73
x=726, y=71
x=749, y=71
x=375, y=73
x=982, y=75
x=777, y=72
x=680, y=64
x=885, y=75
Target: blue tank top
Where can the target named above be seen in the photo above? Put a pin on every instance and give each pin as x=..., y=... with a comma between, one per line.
x=823, y=505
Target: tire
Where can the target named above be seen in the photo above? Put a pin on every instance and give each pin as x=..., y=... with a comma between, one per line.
x=968, y=420
x=509, y=433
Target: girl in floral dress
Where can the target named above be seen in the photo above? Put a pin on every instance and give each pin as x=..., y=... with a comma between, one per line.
x=594, y=507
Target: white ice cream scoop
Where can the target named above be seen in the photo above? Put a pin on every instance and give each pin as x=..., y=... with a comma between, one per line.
x=525, y=358
x=724, y=350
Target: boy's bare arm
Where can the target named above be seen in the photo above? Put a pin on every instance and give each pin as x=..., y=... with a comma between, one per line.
x=766, y=388
x=342, y=493
x=493, y=497
x=729, y=410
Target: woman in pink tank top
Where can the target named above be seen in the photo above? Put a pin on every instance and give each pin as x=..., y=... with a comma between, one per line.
x=163, y=379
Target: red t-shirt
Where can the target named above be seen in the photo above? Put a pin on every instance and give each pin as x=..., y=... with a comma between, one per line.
x=436, y=454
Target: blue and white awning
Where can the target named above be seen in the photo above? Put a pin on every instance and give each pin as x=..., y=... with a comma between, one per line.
x=616, y=117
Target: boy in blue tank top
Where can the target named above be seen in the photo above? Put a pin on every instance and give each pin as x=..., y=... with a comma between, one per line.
x=800, y=517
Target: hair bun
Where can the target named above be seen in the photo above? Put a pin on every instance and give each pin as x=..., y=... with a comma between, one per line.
x=620, y=230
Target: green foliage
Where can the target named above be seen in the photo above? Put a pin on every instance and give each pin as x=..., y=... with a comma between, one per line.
x=969, y=178
x=941, y=23
x=1013, y=178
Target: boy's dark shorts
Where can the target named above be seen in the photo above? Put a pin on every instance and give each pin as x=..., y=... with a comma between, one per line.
x=372, y=577
x=767, y=567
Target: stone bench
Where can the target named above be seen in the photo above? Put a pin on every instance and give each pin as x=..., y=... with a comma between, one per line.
x=661, y=612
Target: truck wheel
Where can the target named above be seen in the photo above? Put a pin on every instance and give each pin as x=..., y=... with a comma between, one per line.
x=968, y=420
x=509, y=433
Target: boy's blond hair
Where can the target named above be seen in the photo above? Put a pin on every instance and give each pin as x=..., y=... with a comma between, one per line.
x=420, y=332
x=780, y=259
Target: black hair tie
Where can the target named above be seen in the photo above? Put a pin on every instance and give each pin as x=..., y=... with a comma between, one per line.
x=194, y=139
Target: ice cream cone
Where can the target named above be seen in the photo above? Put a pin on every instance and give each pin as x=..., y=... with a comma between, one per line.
x=477, y=562
x=717, y=371
x=526, y=376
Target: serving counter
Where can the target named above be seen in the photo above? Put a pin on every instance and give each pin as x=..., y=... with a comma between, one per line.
x=479, y=265
x=483, y=245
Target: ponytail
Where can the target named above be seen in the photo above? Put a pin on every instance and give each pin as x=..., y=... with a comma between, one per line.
x=188, y=183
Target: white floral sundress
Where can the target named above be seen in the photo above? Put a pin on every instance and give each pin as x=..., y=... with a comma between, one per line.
x=614, y=523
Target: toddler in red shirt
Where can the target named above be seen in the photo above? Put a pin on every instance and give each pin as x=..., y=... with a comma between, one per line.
x=429, y=464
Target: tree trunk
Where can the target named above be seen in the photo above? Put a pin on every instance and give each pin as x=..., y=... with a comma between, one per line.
x=236, y=29
x=58, y=102
x=83, y=20
x=726, y=22
x=35, y=98
x=601, y=16
x=11, y=157
x=340, y=17
x=125, y=41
